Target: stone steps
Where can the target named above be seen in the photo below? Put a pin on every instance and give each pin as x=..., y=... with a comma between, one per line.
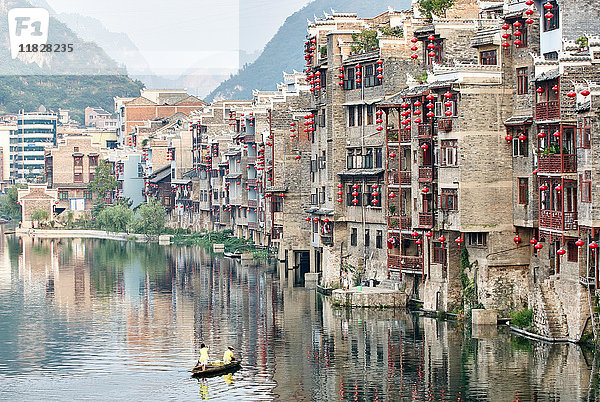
x=556, y=321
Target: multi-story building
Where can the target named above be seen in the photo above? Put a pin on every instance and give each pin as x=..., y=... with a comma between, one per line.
x=35, y=131
x=69, y=168
x=98, y=117
x=151, y=104
x=7, y=130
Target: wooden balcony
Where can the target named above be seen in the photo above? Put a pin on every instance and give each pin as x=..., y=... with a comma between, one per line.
x=559, y=163
x=405, y=178
x=393, y=178
x=425, y=220
x=397, y=223
x=405, y=136
x=425, y=174
x=445, y=124
x=558, y=220
x=411, y=265
x=393, y=262
x=424, y=131
x=392, y=135
x=547, y=110
x=405, y=222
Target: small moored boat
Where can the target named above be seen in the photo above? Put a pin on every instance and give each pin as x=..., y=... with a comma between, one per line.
x=216, y=368
x=236, y=254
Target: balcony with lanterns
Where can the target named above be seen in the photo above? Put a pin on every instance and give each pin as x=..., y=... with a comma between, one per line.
x=559, y=163
x=424, y=131
x=425, y=220
x=556, y=149
x=547, y=104
x=444, y=124
x=411, y=265
x=426, y=174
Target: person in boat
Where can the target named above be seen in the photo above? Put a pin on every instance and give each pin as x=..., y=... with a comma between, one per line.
x=203, y=356
x=228, y=356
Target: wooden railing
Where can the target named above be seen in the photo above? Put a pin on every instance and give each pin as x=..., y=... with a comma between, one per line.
x=405, y=136
x=547, y=110
x=405, y=222
x=445, y=124
x=411, y=265
x=559, y=163
x=392, y=135
x=425, y=173
x=551, y=219
x=394, y=261
x=393, y=178
x=425, y=220
x=570, y=221
x=424, y=131
x=405, y=178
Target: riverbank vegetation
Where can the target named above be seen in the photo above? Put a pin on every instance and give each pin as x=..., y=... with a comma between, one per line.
x=232, y=244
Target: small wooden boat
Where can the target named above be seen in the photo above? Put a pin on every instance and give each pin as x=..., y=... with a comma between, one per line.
x=232, y=255
x=216, y=368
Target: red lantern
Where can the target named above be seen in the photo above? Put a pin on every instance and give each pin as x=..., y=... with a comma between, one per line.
x=425, y=190
x=355, y=201
x=571, y=94
x=543, y=187
x=579, y=243
x=340, y=185
x=549, y=15
x=538, y=246
x=458, y=241
x=315, y=219
x=392, y=155
x=414, y=40
x=355, y=187
x=561, y=251
x=391, y=195
x=441, y=239
x=415, y=234
x=522, y=137
x=593, y=245
x=548, y=6
x=340, y=200
x=424, y=147
x=508, y=138
x=533, y=241
x=307, y=219
x=517, y=240
x=418, y=242
x=429, y=235
x=558, y=188
x=540, y=90
x=541, y=134
x=585, y=92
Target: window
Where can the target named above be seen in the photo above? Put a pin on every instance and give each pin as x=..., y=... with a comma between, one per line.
x=520, y=148
x=350, y=159
x=78, y=161
x=449, y=199
x=369, y=196
x=350, y=197
x=93, y=161
x=552, y=23
x=488, y=58
x=351, y=116
x=449, y=153
x=75, y=149
x=359, y=113
x=583, y=132
x=277, y=203
x=378, y=158
x=349, y=81
x=78, y=177
x=353, y=237
x=379, y=239
x=92, y=176
x=439, y=253
x=523, y=37
x=87, y=195
x=551, y=56
x=367, y=238
x=368, y=159
x=369, y=78
x=585, y=185
x=572, y=251
x=523, y=191
x=369, y=114
x=477, y=239
x=522, y=81
x=63, y=195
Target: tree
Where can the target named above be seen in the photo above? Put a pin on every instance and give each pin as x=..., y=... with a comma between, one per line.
x=150, y=219
x=116, y=218
x=365, y=41
x=39, y=216
x=104, y=181
x=8, y=202
x=434, y=7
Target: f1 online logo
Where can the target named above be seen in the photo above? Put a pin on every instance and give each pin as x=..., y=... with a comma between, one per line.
x=27, y=26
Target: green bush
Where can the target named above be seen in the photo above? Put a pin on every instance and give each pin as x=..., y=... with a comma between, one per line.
x=522, y=318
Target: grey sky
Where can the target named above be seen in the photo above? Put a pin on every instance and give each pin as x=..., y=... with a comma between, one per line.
x=176, y=34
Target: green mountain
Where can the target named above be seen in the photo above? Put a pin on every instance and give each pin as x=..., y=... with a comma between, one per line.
x=284, y=52
x=68, y=80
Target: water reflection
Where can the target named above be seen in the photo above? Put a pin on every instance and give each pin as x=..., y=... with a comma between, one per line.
x=124, y=321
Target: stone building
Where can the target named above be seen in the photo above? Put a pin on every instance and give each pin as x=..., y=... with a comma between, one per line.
x=69, y=168
x=36, y=197
x=151, y=104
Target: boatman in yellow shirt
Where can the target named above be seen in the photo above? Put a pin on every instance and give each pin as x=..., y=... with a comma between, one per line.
x=203, y=356
x=228, y=356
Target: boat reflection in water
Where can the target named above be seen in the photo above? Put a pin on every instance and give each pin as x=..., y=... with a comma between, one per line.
x=122, y=320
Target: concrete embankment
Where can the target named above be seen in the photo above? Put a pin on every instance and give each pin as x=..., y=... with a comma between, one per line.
x=92, y=234
x=369, y=297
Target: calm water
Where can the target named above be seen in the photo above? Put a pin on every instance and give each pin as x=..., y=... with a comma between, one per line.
x=90, y=319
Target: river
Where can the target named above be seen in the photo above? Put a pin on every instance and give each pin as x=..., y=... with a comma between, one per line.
x=107, y=320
